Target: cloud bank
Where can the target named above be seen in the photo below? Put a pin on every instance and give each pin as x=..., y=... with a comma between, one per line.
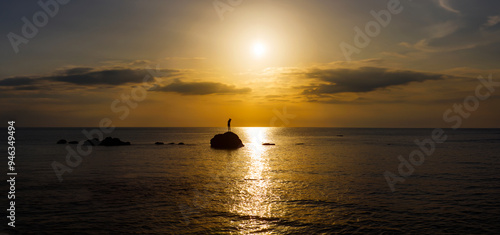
x=364, y=79
x=202, y=88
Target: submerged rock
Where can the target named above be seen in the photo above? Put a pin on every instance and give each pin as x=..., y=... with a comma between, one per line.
x=159, y=143
x=109, y=141
x=228, y=140
x=62, y=141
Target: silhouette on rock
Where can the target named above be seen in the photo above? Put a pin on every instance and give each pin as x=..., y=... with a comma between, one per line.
x=228, y=140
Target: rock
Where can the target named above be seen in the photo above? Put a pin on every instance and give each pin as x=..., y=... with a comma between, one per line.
x=109, y=141
x=159, y=143
x=228, y=140
x=180, y=143
x=73, y=142
x=62, y=141
x=268, y=144
x=340, y=135
x=171, y=143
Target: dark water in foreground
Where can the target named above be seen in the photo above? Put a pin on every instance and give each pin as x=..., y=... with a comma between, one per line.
x=311, y=182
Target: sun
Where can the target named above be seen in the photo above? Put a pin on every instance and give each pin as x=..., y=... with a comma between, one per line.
x=259, y=49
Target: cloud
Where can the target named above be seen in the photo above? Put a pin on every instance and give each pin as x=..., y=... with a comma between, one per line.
x=140, y=63
x=446, y=5
x=394, y=54
x=441, y=30
x=492, y=21
x=202, y=88
x=423, y=45
x=76, y=70
x=364, y=79
x=185, y=58
x=105, y=77
x=85, y=76
x=17, y=81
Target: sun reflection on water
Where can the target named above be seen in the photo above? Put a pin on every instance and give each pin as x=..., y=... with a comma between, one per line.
x=253, y=202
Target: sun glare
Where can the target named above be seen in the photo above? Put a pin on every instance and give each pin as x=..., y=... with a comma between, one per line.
x=259, y=50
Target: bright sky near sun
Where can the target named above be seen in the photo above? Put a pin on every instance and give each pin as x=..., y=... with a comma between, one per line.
x=260, y=62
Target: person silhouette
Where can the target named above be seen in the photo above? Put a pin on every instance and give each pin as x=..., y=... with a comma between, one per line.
x=229, y=125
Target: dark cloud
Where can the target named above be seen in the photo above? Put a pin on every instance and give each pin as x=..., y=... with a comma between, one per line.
x=27, y=88
x=88, y=76
x=78, y=70
x=363, y=79
x=17, y=81
x=105, y=77
x=202, y=88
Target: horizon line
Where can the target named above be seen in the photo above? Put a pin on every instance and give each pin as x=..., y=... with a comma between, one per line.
x=260, y=127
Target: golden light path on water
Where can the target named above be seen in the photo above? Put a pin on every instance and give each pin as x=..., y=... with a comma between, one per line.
x=254, y=198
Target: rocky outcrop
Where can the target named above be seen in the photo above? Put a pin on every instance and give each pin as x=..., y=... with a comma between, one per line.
x=109, y=141
x=228, y=140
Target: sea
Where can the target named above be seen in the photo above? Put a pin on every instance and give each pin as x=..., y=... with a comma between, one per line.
x=311, y=181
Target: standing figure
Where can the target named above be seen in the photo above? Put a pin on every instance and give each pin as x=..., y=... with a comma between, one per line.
x=229, y=125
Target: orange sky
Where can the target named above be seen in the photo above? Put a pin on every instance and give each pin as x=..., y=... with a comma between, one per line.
x=261, y=63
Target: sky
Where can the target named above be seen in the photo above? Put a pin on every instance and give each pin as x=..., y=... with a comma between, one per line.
x=294, y=63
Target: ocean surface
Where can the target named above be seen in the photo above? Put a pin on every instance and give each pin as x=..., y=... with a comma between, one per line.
x=313, y=181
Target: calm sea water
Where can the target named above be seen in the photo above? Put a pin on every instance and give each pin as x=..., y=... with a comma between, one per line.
x=311, y=182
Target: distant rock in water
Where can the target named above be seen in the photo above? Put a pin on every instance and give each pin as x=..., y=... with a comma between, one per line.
x=228, y=140
x=159, y=143
x=180, y=143
x=171, y=143
x=109, y=141
x=62, y=141
x=268, y=144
